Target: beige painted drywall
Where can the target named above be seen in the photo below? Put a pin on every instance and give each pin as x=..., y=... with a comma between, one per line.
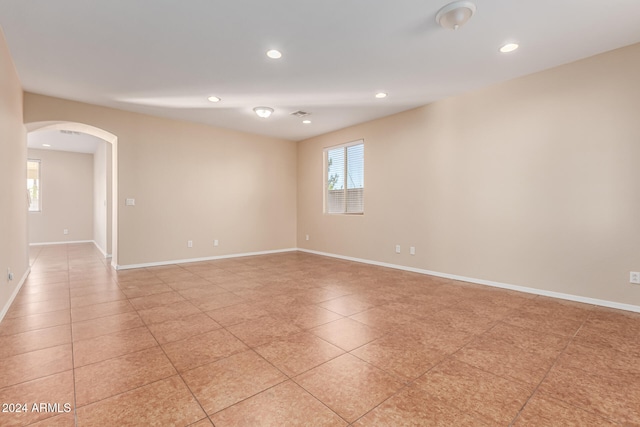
x=13, y=173
x=534, y=182
x=66, y=189
x=190, y=182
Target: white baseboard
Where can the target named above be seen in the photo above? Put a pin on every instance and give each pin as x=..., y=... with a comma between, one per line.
x=14, y=294
x=211, y=258
x=61, y=243
x=559, y=295
x=102, y=251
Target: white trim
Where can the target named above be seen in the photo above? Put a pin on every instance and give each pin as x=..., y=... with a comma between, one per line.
x=61, y=243
x=345, y=145
x=14, y=294
x=102, y=251
x=552, y=294
x=211, y=258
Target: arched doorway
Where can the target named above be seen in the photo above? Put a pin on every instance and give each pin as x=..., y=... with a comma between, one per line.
x=107, y=137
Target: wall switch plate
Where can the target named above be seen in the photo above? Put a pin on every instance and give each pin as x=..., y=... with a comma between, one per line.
x=397, y=249
x=130, y=202
x=412, y=250
x=189, y=243
x=634, y=277
x=306, y=237
x=215, y=243
x=65, y=231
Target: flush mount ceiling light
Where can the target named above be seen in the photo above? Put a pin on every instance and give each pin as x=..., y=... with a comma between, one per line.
x=509, y=47
x=306, y=122
x=263, y=112
x=46, y=145
x=274, y=54
x=214, y=99
x=381, y=95
x=455, y=15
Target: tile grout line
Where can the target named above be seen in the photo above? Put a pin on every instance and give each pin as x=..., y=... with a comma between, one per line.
x=75, y=411
x=73, y=362
x=450, y=356
x=444, y=359
x=170, y=361
x=152, y=382
x=555, y=362
x=287, y=377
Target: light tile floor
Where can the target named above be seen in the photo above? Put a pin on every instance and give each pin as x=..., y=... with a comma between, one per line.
x=296, y=339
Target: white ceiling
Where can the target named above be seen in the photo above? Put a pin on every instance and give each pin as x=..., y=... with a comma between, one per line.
x=164, y=57
x=63, y=141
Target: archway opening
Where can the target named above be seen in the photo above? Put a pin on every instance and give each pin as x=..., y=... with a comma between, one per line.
x=108, y=138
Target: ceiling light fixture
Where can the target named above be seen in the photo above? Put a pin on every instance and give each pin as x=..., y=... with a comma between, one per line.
x=214, y=99
x=263, y=112
x=274, y=54
x=306, y=122
x=455, y=15
x=381, y=95
x=46, y=145
x=509, y=47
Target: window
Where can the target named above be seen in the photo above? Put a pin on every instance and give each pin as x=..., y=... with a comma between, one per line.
x=344, y=179
x=33, y=185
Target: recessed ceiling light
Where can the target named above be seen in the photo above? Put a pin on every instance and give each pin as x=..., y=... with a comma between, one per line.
x=274, y=54
x=509, y=47
x=46, y=145
x=381, y=95
x=306, y=122
x=214, y=99
x=263, y=112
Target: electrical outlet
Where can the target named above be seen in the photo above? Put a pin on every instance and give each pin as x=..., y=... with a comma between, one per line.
x=397, y=249
x=307, y=237
x=412, y=250
x=215, y=243
x=190, y=243
x=634, y=277
x=65, y=231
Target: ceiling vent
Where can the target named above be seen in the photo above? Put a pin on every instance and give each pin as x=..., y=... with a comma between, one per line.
x=70, y=132
x=300, y=113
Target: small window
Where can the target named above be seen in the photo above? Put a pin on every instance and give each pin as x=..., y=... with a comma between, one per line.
x=344, y=179
x=33, y=185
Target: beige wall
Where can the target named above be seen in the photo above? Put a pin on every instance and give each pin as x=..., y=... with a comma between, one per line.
x=534, y=182
x=191, y=182
x=67, y=197
x=13, y=173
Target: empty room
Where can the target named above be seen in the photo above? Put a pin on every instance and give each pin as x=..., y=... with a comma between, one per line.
x=335, y=213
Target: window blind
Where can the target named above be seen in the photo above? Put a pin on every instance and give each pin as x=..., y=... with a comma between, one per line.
x=344, y=179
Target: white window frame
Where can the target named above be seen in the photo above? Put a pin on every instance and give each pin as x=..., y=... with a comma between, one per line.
x=325, y=177
x=39, y=161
